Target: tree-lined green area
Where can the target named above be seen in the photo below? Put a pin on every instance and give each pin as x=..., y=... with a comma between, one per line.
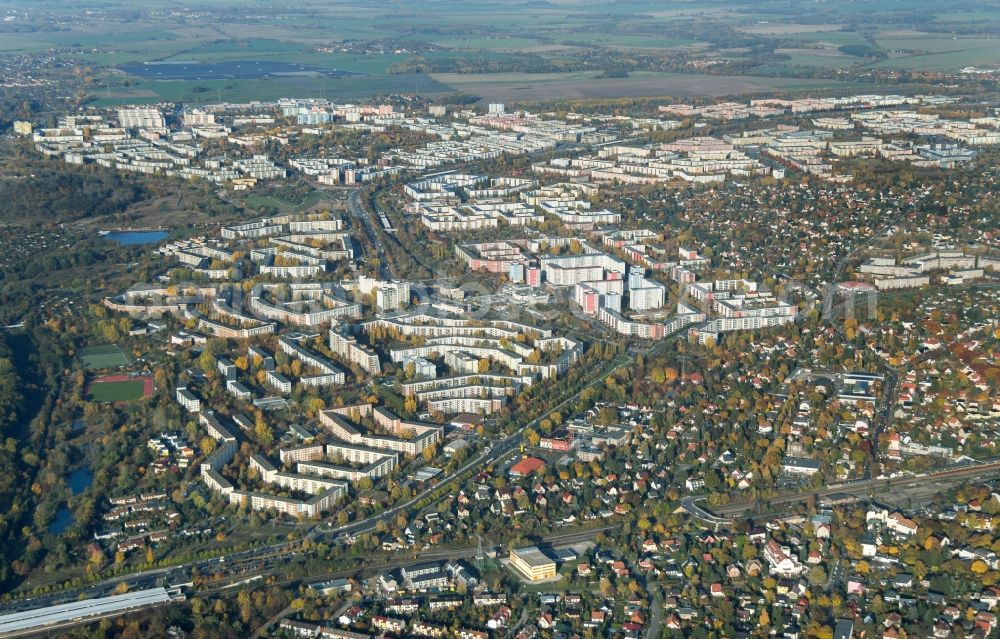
x=46, y=193
x=31, y=363
x=11, y=462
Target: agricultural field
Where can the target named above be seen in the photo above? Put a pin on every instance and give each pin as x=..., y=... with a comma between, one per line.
x=765, y=27
x=348, y=52
x=107, y=356
x=207, y=91
x=629, y=41
x=825, y=57
x=515, y=87
x=932, y=52
x=488, y=43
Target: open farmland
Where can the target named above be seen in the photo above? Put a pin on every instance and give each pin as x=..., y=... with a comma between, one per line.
x=438, y=48
x=206, y=91
x=526, y=87
x=933, y=52
x=767, y=28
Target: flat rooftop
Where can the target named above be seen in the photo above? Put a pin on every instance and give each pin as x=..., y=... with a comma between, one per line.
x=532, y=556
x=41, y=617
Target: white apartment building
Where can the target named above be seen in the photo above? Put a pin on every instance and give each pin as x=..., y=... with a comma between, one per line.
x=477, y=405
x=347, y=347
x=645, y=294
x=571, y=270
x=389, y=296
x=281, y=383
x=188, y=400
x=140, y=118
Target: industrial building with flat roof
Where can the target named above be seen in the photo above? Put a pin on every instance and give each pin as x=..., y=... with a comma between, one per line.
x=532, y=563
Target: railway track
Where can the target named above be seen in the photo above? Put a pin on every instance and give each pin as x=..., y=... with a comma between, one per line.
x=235, y=577
x=969, y=471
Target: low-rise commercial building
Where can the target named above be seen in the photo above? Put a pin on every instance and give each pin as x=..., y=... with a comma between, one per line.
x=532, y=563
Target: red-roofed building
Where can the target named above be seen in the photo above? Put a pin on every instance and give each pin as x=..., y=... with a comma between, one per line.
x=527, y=466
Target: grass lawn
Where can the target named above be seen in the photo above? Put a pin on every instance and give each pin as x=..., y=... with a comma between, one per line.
x=125, y=391
x=557, y=585
x=107, y=356
x=259, y=201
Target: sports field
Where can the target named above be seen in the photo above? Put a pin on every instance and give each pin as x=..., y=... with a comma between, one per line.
x=107, y=356
x=119, y=388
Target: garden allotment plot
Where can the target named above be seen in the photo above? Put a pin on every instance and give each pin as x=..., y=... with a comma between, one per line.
x=107, y=356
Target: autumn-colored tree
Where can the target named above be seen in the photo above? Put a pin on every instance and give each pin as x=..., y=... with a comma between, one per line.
x=207, y=445
x=263, y=433
x=532, y=436
x=245, y=605
x=430, y=453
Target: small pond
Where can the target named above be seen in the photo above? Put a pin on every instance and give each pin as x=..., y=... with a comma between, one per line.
x=131, y=238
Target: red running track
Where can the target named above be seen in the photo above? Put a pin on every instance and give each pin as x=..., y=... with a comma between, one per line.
x=147, y=382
